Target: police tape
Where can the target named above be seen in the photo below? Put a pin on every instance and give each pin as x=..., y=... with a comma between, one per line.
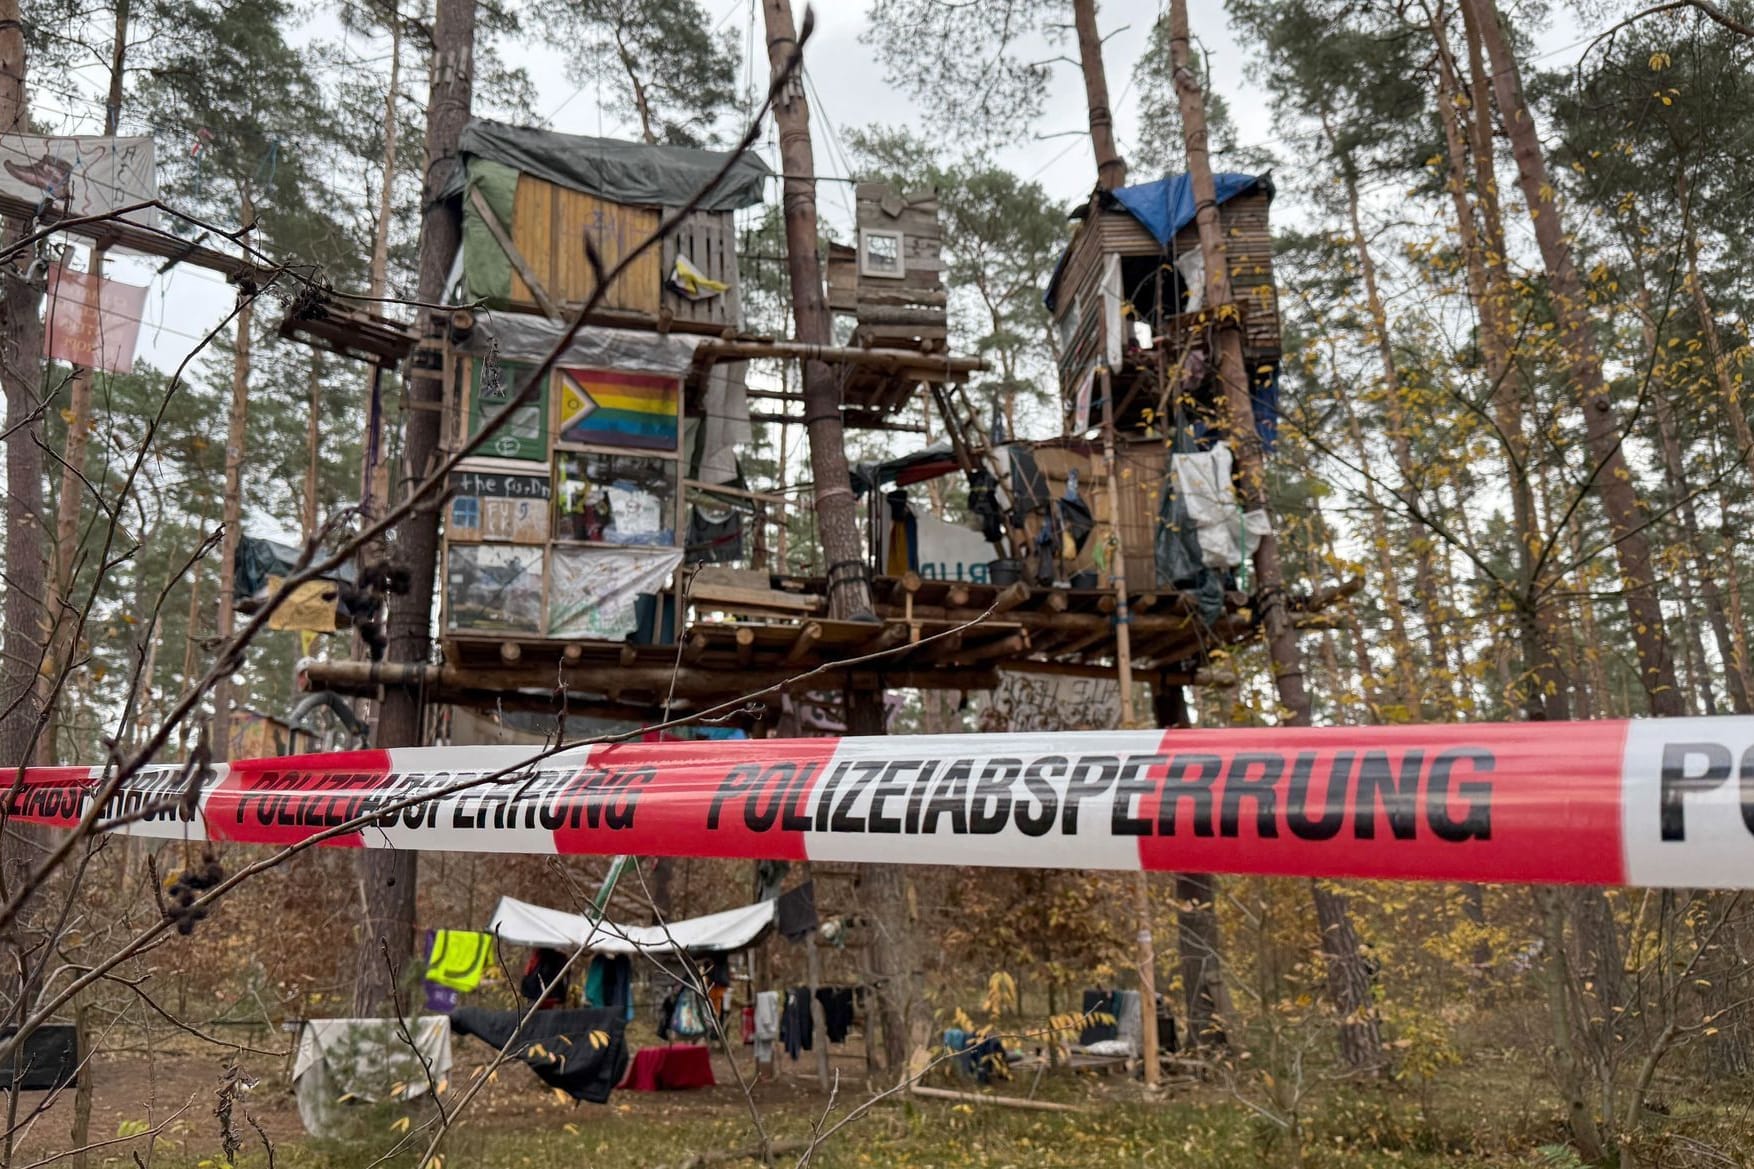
x=1651, y=802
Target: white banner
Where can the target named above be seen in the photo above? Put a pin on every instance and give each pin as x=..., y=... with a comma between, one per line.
x=81, y=176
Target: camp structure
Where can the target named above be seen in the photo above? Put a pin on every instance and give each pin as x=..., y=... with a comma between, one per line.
x=1128, y=297
x=601, y=549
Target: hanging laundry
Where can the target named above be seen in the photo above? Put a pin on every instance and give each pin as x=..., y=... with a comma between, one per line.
x=797, y=1028
x=714, y=540
x=795, y=915
x=1202, y=479
x=691, y=283
x=689, y=1019
x=1076, y=522
x=458, y=958
x=837, y=1011
x=609, y=982
x=766, y=1024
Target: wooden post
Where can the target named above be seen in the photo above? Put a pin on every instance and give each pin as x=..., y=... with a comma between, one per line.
x=313, y=444
x=1147, y=952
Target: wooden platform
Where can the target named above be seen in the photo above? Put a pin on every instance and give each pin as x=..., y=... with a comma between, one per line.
x=931, y=635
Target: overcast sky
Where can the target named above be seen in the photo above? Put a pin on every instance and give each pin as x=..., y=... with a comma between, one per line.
x=848, y=89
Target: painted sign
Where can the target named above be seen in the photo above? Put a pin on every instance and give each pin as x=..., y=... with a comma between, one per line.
x=91, y=321
x=81, y=176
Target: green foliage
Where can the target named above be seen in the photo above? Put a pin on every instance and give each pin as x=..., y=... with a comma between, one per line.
x=656, y=62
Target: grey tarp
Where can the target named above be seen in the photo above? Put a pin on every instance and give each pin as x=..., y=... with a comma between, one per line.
x=625, y=172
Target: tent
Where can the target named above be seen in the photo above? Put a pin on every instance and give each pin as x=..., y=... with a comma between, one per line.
x=523, y=924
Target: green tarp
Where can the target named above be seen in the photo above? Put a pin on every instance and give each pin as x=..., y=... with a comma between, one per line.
x=625, y=172
x=487, y=270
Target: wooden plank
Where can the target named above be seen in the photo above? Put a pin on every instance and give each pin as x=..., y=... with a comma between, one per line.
x=525, y=274
x=739, y=600
x=532, y=235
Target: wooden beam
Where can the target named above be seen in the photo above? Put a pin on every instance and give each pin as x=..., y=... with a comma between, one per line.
x=692, y=684
x=120, y=233
x=695, y=647
x=999, y=647
x=1014, y=595
x=927, y=365
x=745, y=646
x=510, y=651
x=808, y=635
x=504, y=240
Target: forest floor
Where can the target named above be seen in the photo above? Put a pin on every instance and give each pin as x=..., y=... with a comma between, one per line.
x=160, y=1103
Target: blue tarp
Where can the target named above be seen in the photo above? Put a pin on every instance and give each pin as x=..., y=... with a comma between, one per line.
x=1167, y=205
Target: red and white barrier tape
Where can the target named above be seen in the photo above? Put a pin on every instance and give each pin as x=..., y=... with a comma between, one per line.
x=1654, y=802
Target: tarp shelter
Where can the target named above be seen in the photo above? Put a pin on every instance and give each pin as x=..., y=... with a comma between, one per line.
x=545, y=188
x=521, y=923
x=1164, y=207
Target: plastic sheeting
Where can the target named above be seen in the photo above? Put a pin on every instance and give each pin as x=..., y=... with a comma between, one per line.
x=625, y=172
x=1203, y=483
x=343, y=1061
x=523, y=924
x=1167, y=205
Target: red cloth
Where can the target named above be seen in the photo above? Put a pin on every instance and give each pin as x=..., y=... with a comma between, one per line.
x=674, y=1068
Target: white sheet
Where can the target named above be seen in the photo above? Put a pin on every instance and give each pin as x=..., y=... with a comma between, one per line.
x=524, y=924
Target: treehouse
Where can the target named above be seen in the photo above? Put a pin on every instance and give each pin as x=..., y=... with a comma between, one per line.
x=600, y=548
x=1127, y=297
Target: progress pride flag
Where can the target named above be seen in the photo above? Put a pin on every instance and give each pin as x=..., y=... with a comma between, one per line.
x=1662, y=802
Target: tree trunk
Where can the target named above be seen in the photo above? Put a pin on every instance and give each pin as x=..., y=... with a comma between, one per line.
x=1111, y=168
x=1346, y=973
x=837, y=514
x=313, y=448
x=1567, y=1047
x=1612, y=480
x=1401, y=443
x=1541, y=683
x=1675, y=472
x=236, y=436
x=21, y=372
x=1729, y=393
x=1401, y=647
x=71, y=499
x=388, y=877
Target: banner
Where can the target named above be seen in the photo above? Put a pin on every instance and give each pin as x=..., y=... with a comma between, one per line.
x=1667, y=802
x=1043, y=702
x=81, y=176
x=92, y=322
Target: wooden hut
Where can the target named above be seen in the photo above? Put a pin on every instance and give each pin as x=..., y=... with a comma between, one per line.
x=1127, y=296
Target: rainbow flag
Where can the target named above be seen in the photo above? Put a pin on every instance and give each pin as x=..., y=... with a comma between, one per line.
x=611, y=408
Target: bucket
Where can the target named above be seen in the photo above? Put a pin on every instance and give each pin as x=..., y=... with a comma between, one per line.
x=1085, y=580
x=1004, y=572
